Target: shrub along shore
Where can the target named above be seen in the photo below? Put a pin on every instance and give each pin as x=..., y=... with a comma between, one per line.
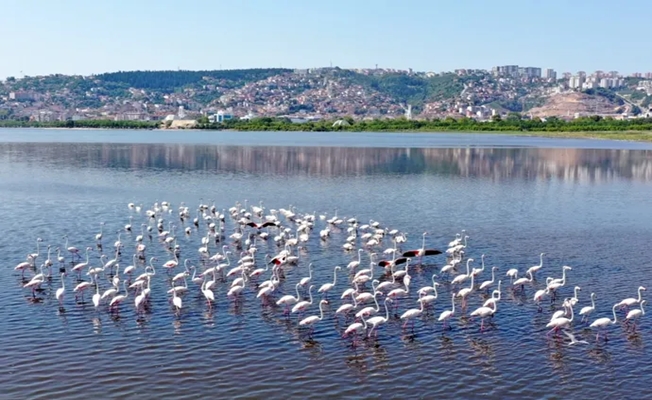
x=639, y=129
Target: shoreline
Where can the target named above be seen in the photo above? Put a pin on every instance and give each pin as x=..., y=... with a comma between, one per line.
x=643, y=136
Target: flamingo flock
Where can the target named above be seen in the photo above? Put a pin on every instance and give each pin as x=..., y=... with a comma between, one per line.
x=251, y=253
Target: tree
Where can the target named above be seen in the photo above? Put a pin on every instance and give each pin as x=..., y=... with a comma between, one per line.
x=514, y=116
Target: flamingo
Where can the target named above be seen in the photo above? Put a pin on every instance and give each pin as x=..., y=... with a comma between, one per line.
x=306, y=280
x=412, y=313
x=328, y=286
x=288, y=300
x=138, y=300
x=633, y=315
x=573, y=339
x=61, y=290
x=234, y=291
x=176, y=301
x=96, y=297
x=355, y=328
x=538, y=295
x=560, y=322
x=399, y=292
x=73, y=250
x=170, y=264
x=130, y=268
x=302, y=305
x=523, y=281
x=355, y=264
x=377, y=320
x=347, y=307
x=458, y=239
x=22, y=267
x=128, y=226
x=573, y=300
x=367, y=311
x=555, y=284
x=463, y=293
x=602, y=323
x=535, y=268
x=631, y=301
x=422, y=251
x=81, y=287
x=386, y=284
x=35, y=282
x=512, y=273
x=586, y=311
x=493, y=298
x=446, y=315
x=313, y=319
x=427, y=289
x=208, y=294
x=485, y=285
x=116, y=300
x=462, y=277
x=476, y=271
x=484, y=312
x=561, y=313
x=34, y=256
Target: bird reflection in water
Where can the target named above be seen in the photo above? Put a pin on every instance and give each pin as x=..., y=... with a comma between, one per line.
x=380, y=355
x=447, y=345
x=142, y=321
x=481, y=347
x=64, y=320
x=236, y=307
x=176, y=323
x=410, y=340
x=600, y=354
x=209, y=319
x=314, y=349
x=357, y=362
x=97, y=326
x=635, y=339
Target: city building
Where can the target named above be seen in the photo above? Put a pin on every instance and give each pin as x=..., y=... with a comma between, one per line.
x=220, y=116
x=576, y=81
x=515, y=71
x=506, y=70
x=22, y=96
x=551, y=74
x=530, y=72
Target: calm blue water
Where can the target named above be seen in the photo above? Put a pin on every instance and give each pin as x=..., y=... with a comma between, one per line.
x=584, y=203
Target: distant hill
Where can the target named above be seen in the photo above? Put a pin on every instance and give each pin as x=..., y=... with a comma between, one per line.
x=322, y=92
x=169, y=81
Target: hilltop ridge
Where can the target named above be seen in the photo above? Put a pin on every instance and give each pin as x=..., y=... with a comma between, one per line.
x=308, y=93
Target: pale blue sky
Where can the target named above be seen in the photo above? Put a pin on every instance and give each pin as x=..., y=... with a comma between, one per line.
x=88, y=36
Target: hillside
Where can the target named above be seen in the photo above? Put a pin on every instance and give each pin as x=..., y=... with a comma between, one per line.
x=318, y=92
x=572, y=104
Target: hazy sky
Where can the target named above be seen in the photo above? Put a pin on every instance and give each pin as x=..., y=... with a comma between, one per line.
x=87, y=36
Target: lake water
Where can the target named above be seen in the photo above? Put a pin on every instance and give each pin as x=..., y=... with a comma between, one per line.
x=584, y=203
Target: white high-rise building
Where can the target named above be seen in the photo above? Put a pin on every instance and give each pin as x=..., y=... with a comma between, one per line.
x=576, y=81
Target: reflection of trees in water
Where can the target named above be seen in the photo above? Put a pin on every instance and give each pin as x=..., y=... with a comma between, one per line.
x=494, y=163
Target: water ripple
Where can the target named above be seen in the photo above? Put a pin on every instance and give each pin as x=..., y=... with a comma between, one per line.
x=244, y=350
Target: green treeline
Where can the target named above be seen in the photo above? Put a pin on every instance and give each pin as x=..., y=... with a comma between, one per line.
x=171, y=80
x=87, y=123
x=578, y=127
x=510, y=124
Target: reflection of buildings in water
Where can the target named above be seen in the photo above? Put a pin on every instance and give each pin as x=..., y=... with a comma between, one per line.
x=495, y=163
